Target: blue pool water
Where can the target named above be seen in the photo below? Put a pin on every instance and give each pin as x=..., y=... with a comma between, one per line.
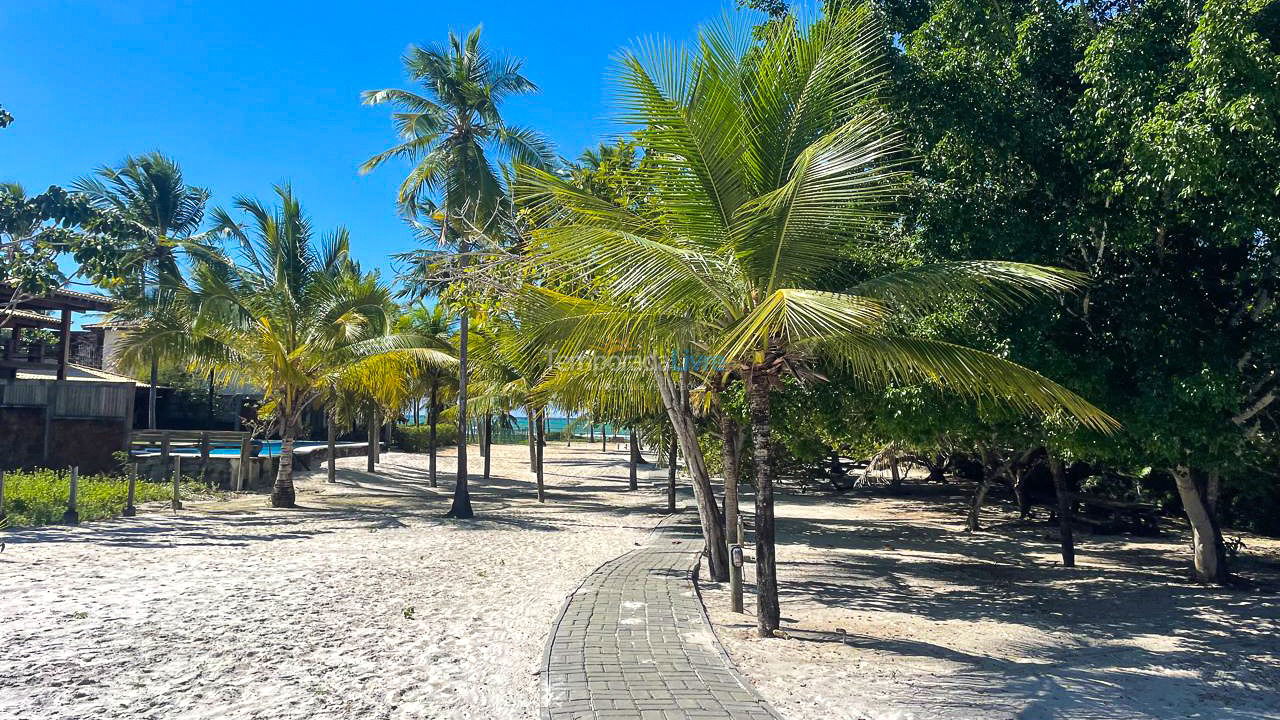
x=270, y=448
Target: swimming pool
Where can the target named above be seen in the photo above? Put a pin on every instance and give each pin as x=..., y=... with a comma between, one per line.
x=270, y=448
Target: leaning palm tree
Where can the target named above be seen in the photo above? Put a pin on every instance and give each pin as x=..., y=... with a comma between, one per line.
x=148, y=193
x=293, y=317
x=761, y=163
x=452, y=135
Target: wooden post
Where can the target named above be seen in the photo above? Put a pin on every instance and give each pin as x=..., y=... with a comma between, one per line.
x=129, y=509
x=72, y=516
x=11, y=349
x=64, y=344
x=2, y=513
x=242, y=472
x=635, y=452
x=177, y=479
x=671, y=476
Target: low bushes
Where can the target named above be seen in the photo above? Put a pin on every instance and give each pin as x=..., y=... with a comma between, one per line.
x=417, y=438
x=39, y=497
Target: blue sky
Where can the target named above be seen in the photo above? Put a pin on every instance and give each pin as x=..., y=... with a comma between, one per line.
x=248, y=94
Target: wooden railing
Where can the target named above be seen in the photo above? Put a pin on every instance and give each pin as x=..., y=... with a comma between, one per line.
x=164, y=441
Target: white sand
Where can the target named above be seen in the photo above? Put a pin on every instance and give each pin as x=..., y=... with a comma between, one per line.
x=234, y=610
x=895, y=613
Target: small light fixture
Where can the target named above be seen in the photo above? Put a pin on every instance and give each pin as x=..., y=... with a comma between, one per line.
x=735, y=555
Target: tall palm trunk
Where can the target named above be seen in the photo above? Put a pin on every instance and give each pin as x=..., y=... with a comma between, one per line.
x=371, y=447
x=768, y=613
x=1065, y=510
x=634, y=447
x=332, y=442
x=1209, y=551
x=151, y=391
x=282, y=493
x=461, y=492
x=533, y=440
x=704, y=496
x=432, y=415
x=488, y=443
x=539, y=443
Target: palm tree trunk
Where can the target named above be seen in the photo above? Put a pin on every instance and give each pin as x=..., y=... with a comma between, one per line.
x=632, y=483
x=768, y=614
x=592, y=432
x=432, y=415
x=333, y=452
x=533, y=441
x=604, y=440
x=704, y=496
x=461, y=493
x=1209, y=552
x=282, y=494
x=1065, y=503
x=151, y=391
x=488, y=443
x=539, y=443
x=371, y=432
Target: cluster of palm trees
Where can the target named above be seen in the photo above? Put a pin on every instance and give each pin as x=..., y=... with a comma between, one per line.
x=697, y=257
x=760, y=156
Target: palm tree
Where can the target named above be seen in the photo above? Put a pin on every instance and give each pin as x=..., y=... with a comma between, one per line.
x=434, y=327
x=761, y=163
x=294, y=317
x=452, y=135
x=150, y=195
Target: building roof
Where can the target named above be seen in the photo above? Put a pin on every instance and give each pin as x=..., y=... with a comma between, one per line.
x=26, y=318
x=61, y=299
x=75, y=373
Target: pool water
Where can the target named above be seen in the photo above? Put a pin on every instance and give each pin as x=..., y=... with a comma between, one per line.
x=270, y=448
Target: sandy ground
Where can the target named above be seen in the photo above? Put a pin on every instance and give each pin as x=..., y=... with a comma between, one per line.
x=894, y=612
x=363, y=604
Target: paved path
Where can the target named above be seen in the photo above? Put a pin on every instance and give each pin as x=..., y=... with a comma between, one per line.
x=634, y=642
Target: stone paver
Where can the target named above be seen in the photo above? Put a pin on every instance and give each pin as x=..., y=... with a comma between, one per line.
x=634, y=642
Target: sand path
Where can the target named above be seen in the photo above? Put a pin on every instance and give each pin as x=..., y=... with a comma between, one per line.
x=364, y=603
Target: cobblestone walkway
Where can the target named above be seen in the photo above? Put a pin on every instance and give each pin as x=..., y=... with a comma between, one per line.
x=634, y=642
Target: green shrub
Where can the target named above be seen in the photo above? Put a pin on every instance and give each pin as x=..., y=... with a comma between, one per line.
x=417, y=438
x=39, y=497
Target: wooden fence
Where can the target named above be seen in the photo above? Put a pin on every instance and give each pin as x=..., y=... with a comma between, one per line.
x=67, y=400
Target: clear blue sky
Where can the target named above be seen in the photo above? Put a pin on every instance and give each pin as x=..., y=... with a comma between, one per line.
x=246, y=94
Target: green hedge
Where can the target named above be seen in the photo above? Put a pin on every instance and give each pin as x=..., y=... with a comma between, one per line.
x=416, y=438
x=39, y=497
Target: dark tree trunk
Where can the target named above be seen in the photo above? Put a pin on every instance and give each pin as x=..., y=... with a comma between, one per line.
x=973, y=522
x=539, y=446
x=433, y=415
x=151, y=391
x=895, y=482
x=461, y=492
x=671, y=475
x=332, y=442
x=632, y=482
x=488, y=444
x=768, y=614
x=371, y=452
x=1065, y=511
x=591, y=433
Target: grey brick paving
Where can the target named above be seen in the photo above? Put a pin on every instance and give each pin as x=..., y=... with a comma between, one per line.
x=634, y=642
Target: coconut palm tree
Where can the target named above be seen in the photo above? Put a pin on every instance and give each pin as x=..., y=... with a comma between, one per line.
x=434, y=327
x=294, y=316
x=453, y=134
x=149, y=194
x=764, y=158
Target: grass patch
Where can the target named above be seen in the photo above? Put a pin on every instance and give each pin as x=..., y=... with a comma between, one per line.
x=39, y=497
